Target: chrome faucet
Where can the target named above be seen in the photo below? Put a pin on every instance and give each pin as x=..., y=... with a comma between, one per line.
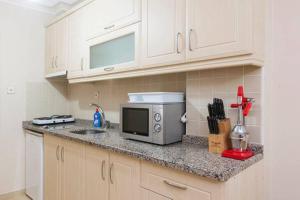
x=104, y=123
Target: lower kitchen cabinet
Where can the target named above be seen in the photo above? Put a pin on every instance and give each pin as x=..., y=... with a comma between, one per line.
x=149, y=195
x=64, y=161
x=52, y=166
x=77, y=171
x=124, y=178
x=176, y=186
x=96, y=174
x=72, y=159
x=160, y=183
x=110, y=176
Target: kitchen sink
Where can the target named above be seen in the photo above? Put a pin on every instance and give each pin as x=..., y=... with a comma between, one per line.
x=87, y=131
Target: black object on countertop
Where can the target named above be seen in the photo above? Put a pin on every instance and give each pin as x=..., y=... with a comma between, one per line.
x=216, y=112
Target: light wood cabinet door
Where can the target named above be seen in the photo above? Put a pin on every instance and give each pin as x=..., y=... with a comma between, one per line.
x=56, y=47
x=105, y=16
x=176, y=190
x=52, y=183
x=124, y=178
x=163, y=31
x=149, y=195
x=176, y=185
x=77, y=46
x=96, y=174
x=72, y=166
x=50, y=49
x=217, y=29
x=61, y=47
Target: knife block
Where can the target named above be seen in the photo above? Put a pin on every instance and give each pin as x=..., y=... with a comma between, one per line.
x=217, y=143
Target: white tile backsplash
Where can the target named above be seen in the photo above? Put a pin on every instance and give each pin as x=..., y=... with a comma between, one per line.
x=112, y=93
x=202, y=86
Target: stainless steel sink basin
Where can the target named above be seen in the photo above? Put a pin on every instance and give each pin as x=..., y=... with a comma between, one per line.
x=87, y=131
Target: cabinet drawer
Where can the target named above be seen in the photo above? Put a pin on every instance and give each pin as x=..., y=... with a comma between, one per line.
x=149, y=195
x=176, y=185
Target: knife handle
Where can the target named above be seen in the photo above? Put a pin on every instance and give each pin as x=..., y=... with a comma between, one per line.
x=210, y=111
x=217, y=126
x=223, y=116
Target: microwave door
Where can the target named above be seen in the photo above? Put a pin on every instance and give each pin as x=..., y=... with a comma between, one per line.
x=135, y=121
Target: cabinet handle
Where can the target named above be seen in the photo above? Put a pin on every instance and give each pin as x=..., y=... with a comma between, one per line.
x=57, y=152
x=102, y=170
x=190, y=40
x=177, y=42
x=81, y=64
x=56, y=61
x=175, y=185
x=110, y=173
x=109, y=69
x=109, y=27
x=62, y=154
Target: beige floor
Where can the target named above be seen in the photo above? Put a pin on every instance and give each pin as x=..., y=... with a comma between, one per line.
x=16, y=197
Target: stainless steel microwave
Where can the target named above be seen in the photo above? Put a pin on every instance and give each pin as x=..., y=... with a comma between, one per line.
x=153, y=123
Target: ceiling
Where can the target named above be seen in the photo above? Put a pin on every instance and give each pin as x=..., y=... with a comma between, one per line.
x=48, y=6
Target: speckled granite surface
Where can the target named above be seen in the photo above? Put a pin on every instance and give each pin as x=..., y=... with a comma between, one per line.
x=190, y=156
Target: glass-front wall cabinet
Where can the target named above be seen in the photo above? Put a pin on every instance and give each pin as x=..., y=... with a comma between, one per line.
x=114, y=51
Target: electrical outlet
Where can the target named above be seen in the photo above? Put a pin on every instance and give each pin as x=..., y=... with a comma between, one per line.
x=10, y=90
x=96, y=95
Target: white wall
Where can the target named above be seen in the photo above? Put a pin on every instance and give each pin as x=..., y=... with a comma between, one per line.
x=21, y=66
x=282, y=92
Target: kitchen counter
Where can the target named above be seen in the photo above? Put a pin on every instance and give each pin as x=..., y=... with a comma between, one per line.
x=191, y=155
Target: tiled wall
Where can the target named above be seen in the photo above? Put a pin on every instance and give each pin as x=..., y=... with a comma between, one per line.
x=112, y=93
x=202, y=86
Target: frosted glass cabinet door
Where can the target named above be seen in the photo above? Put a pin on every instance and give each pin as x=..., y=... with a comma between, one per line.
x=119, y=50
x=115, y=51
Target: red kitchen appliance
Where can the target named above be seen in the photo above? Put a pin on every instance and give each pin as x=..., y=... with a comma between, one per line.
x=239, y=135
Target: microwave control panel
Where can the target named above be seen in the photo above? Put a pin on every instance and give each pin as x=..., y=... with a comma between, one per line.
x=157, y=119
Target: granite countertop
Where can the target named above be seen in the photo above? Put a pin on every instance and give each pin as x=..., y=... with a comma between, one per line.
x=190, y=156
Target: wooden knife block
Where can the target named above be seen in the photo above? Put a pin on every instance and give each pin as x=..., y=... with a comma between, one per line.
x=217, y=143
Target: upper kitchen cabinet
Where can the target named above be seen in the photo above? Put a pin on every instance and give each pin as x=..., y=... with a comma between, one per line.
x=50, y=50
x=114, y=52
x=179, y=35
x=106, y=16
x=56, y=48
x=101, y=39
x=163, y=31
x=219, y=29
x=77, y=46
